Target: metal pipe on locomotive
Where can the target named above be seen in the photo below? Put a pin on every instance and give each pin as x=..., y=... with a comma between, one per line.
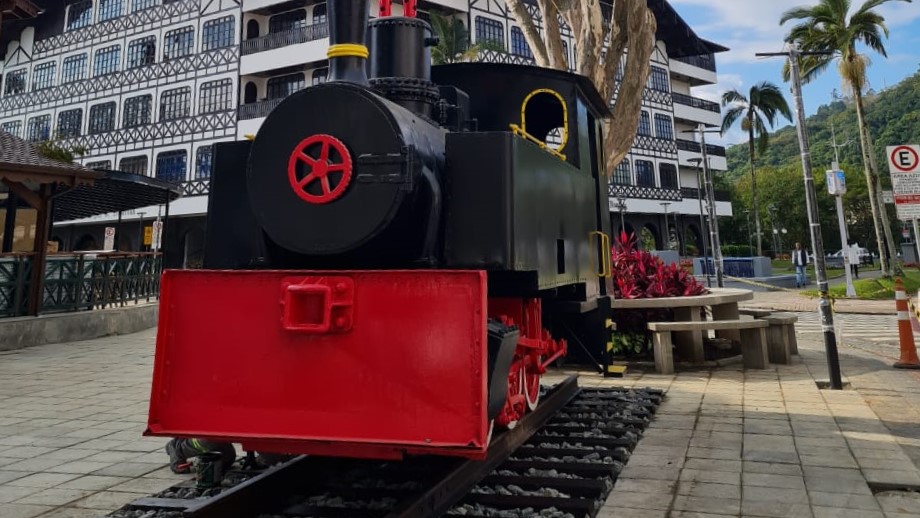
x=395, y=259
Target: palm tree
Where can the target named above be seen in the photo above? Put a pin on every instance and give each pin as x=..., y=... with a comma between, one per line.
x=454, y=41
x=829, y=28
x=761, y=107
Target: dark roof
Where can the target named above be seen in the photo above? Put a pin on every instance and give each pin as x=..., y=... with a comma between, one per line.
x=677, y=35
x=21, y=157
x=114, y=192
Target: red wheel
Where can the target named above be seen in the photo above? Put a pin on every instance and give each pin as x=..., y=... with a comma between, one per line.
x=531, y=385
x=321, y=177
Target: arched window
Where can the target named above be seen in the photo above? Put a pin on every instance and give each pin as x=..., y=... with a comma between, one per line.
x=623, y=175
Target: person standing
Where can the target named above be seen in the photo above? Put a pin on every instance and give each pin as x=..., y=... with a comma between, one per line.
x=853, y=255
x=800, y=261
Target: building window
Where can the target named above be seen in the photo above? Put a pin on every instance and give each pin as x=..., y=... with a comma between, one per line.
x=216, y=96
x=137, y=111
x=622, y=174
x=203, y=162
x=283, y=86
x=664, y=128
x=171, y=166
x=100, y=164
x=12, y=127
x=39, y=128
x=175, y=104
x=134, y=164
x=43, y=76
x=287, y=21
x=645, y=125
x=140, y=5
x=217, y=33
x=102, y=118
x=319, y=14
x=668, y=173
x=15, y=82
x=109, y=9
x=519, y=44
x=488, y=29
x=69, y=124
x=142, y=52
x=658, y=79
x=79, y=15
x=645, y=173
x=73, y=68
x=178, y=43
x=319, y=76
x=106, y=61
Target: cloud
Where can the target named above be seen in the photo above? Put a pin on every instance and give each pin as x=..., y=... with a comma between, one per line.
x=714, y=93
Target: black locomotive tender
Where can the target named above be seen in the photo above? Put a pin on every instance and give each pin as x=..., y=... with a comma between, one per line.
x=451, y=171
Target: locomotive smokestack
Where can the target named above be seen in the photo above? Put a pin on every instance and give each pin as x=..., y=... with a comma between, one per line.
x=347, y=35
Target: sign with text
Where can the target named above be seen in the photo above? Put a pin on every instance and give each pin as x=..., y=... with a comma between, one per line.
x=157, y=234
x=904, y=164
x=836, y=183
x=109, y=239
x=148, y=236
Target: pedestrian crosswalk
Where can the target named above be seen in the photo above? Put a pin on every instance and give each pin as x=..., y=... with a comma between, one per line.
x=868, y=328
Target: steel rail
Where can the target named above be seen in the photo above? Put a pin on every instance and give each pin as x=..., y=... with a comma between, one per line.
x=458, y=483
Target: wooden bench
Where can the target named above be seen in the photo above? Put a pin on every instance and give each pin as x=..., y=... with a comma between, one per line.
x=753, y=341
x=755, y=312
x=781, y=337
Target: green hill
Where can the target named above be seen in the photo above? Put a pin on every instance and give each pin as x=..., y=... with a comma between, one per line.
x=893, y=117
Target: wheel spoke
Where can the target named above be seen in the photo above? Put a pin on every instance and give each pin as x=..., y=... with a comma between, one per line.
x=306, y=179
x=324, y=154
x=326, y=188
x=307, y=159
x=335, y=168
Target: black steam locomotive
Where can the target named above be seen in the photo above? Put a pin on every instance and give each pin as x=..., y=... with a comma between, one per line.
x=389, y=260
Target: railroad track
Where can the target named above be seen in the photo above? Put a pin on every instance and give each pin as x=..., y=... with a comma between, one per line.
x=560, y=461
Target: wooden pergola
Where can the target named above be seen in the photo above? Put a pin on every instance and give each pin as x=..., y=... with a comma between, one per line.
x=18, y=10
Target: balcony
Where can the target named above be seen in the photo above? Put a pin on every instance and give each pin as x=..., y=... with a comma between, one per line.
x=693, y=193
x=696, y=102
x=688, y=150
x=278, y=40
x=689, y=145
x=644, y=193
x=696, y=111
x=258, y=109
x=697, y=70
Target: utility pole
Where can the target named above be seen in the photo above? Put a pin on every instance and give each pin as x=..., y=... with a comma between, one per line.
x=811, y=199
x=841, y=219
x=711, y=201
x=703, y=239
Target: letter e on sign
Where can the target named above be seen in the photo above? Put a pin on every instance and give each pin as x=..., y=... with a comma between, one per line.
x=903, y=159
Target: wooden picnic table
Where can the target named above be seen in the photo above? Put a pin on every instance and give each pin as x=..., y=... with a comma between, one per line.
x=722, y=301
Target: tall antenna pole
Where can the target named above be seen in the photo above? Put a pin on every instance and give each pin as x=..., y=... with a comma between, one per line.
x=811, y=199
x=711, y=199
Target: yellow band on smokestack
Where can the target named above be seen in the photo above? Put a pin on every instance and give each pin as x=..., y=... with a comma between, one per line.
x=342, y=50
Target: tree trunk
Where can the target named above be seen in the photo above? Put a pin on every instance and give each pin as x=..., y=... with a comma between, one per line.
x=871, y=182
x=894, y=264
x=754, y=193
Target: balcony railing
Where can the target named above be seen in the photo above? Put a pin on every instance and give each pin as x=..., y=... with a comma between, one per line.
x=704, y=61
x=200, y=187
x=696, y=102
x=692, y=193
x=80, y=281
x=644, y=193
x=283, y=39
x=257, y=110
x=689, y=145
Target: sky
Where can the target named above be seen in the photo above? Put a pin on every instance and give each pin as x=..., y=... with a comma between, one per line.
x=751, y=26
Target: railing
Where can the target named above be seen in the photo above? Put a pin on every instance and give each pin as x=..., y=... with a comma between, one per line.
x=285, y=38
x=704, y=61
x=692, y=193
x=689, y=145
x=79, y=281
x=696, y=102
x=644, y=193
x=257, y=109
x=196, y=187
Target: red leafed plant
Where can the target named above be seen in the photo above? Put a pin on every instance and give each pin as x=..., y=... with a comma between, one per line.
x=637, y=274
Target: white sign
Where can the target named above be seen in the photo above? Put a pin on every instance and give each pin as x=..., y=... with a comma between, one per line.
x=109, y=239
x=904, y=164
x=836, y=183
x=888, y=197
x=157, y=234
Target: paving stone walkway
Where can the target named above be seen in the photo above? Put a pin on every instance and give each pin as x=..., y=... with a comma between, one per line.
x=71, y=418
x=726, y=442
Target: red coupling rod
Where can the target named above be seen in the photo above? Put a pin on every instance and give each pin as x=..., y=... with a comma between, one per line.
x=386, y=8
x=409, y=9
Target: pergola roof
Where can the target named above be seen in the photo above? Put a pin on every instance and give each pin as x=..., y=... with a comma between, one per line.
x=91, y=192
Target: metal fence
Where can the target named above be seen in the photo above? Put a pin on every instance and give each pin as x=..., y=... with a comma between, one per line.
x=80, y=281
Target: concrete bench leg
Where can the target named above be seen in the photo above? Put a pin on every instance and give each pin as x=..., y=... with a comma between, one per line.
x=689, y=343
x=754, y=348
x=727, y=312
x=793, y=343
x=778, y=344
x=664, y=358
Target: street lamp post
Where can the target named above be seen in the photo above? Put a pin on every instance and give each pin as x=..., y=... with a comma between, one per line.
x=667, y=227
x=773, y=210
x=621, y=207
x=703, y=239
x=710, y=199
x=140, y=231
